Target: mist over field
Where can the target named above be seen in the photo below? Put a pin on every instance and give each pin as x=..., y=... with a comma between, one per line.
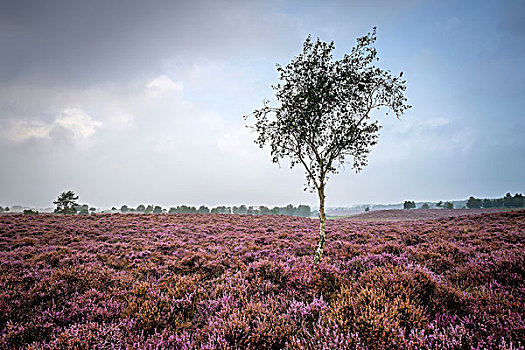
x=143, y=103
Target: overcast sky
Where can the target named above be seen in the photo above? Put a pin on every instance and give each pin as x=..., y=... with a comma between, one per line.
x=129, y=102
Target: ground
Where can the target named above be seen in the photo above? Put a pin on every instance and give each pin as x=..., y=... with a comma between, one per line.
x=248, y=282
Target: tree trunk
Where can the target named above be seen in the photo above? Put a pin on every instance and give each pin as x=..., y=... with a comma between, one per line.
x=322, y=227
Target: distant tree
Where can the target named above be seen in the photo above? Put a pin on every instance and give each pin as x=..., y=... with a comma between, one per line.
x=157, y=209
x=425, y=206
x=203, y=210
x=474, y=203
x=243, y=210
x=276, y=211
x=124, y=209
x=288, y=210
x=439, y=204
x=263, y=210
x=84, y=210
x=113, y=209
x=304, y=211
x=519, y=200
x=149, y=209
x=30, y=212
x=325, y=110
x=141, y=208
x=487, y=203
x=6, y=209
x=367, y=209
x=498, y=203
x=252, y=210
x=448, y=205
x=515, y=201
x=66, y=203
x=92, y=209
x=409, y=205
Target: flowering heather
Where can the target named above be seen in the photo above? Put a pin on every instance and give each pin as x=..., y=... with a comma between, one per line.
x=420, y=214
x=248, y=282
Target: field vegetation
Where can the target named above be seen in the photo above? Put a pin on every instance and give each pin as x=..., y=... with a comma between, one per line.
x=191, y=281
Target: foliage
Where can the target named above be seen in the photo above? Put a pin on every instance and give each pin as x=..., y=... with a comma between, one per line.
x=66, y=203
x=301, y=210
x=324, y=112
x=509, y=201
x=230, y=282
x=30, y=212
x=448, y=205
x=516, y=201
x=474, y=203
x=409, y=205
x=425, y=206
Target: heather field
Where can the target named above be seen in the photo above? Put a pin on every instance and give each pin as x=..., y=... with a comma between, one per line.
x=247, y=282
x=419, y=214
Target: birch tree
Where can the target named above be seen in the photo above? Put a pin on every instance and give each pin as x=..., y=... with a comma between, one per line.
x=323, y=117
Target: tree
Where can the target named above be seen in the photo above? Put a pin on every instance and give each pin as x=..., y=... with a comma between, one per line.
x=498, y=202
x=439, y=204
x=203, y=210
x=324, y=113
x=409, y=205
x=513, y=202
x=124, y=208
x=487, y=203
x=304, y=211
x=30, y=212
x=243, y=210
x=66, y=203
x=474, y=203
x=367, y=209
x=448, y=205
x=425, y=206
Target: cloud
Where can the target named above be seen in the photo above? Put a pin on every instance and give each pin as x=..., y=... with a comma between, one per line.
x=75, y=121
x=22, y=130
x=78, y=122
x=162, y=86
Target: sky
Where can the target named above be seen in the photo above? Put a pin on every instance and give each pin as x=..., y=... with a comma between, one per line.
x=130, y=102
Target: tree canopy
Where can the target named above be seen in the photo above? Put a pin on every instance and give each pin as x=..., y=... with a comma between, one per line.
x=66, y=203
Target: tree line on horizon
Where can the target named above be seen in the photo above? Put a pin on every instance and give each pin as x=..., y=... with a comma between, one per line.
x=508, y=201
x=301, y=210
x=66, y=203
